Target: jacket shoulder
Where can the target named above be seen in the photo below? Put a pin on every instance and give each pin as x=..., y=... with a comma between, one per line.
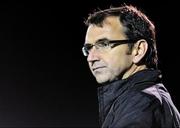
x=135, y=109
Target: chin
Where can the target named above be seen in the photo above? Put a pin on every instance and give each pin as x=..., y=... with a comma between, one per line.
x=102, y=80
x=103, y=77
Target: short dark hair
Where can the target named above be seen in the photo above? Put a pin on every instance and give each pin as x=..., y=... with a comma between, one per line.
x=137, y=25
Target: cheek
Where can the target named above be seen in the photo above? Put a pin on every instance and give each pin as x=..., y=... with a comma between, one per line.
x=114, y=62
x=113, y=66
x=119, y=64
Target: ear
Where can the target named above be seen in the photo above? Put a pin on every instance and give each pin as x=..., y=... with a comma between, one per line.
x=139, y=50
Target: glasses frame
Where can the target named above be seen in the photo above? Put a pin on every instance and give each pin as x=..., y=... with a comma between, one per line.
x=85, y=49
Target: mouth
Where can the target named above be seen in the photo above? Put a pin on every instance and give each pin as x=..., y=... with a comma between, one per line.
x=98, y=68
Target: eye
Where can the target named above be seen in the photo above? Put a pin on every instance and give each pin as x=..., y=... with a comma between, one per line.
x=102, y=44
x=88, y=46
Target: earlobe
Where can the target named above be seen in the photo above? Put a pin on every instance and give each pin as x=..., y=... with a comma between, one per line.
x=140, y=50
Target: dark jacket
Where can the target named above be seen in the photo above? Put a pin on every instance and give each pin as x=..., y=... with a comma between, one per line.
x=140, y=101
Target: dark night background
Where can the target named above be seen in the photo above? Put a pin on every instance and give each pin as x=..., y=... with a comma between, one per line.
x=44, y=78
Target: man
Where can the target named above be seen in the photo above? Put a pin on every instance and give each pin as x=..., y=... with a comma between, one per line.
x=120, y=46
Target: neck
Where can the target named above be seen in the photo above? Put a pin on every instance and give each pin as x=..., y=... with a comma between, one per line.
x=134, y=68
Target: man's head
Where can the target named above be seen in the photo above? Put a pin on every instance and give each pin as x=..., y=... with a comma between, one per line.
x=119, y=42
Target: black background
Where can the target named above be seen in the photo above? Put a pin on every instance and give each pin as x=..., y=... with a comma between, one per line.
x=44, y=78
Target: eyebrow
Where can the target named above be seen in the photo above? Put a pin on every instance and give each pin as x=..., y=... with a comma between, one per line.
x=102, y=39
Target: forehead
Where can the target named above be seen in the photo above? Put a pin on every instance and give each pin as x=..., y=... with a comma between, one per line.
x=111, y=29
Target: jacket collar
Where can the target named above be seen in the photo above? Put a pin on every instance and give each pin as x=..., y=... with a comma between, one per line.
x=143, y=76
x=109, y=92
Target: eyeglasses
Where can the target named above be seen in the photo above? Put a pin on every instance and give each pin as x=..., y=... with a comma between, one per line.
x=104, y=44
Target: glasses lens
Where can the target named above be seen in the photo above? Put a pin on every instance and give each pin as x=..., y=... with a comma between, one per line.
x=102, y=44
x=99, y=45
x=84, y=51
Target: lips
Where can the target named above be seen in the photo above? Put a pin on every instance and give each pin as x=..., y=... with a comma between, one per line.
x=97, y=68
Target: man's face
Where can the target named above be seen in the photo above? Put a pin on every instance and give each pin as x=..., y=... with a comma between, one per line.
x=110, y=64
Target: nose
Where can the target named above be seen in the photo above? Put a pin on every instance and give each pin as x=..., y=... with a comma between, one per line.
x=93, y=55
